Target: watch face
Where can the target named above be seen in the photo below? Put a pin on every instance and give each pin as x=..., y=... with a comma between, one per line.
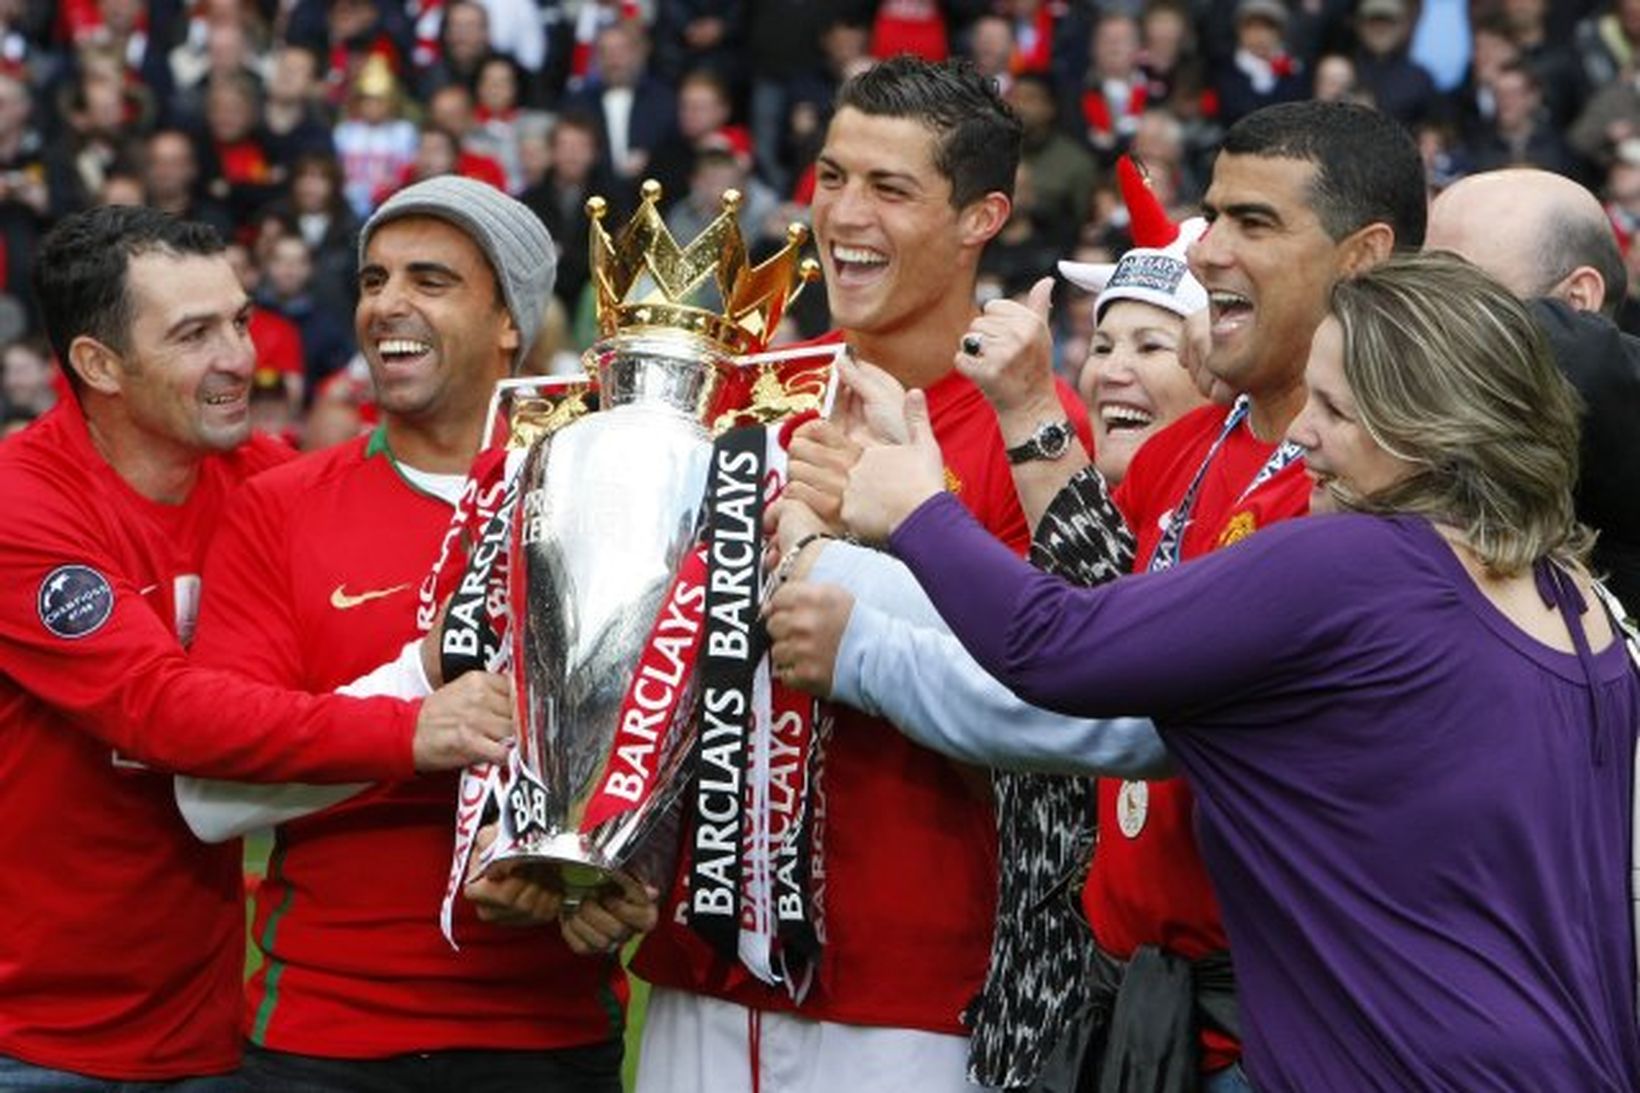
x=1054, y=439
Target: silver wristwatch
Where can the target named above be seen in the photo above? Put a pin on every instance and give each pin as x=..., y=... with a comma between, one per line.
x=1051, y=440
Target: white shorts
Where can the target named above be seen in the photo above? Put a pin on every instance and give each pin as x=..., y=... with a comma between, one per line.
x=696, y=1044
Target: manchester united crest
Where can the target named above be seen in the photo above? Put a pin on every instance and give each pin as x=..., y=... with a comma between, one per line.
x=1241, y=525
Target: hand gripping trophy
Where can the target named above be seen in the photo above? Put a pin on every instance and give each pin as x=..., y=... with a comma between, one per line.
x=631, y=570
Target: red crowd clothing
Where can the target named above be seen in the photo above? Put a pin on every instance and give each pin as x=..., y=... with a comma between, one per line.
x=314, y=582
x=121, y=937
x=910, y=26
x=278, y=342
x=1151, y=888
x=910, y=841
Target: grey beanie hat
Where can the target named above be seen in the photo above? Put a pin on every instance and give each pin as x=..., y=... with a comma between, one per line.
x=517, y=244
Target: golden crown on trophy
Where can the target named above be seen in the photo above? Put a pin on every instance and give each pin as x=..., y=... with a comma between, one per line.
x=644, y=278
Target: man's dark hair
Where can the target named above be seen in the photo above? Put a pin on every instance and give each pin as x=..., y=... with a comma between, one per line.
x=1570, y=238
x=80, y=271
x=977, y=135
x=1367, y=168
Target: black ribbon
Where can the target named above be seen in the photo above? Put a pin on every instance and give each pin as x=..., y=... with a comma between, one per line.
x=734, y=643
x=468, y=641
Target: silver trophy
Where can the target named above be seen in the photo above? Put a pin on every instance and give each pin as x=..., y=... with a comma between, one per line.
x=605, y=518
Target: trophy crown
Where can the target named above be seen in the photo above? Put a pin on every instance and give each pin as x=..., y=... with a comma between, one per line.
x=642, y=277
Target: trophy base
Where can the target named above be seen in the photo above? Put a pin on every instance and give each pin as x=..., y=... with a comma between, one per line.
x=580, y=875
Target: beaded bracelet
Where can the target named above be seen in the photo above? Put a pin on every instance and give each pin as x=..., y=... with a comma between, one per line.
x=789, y=561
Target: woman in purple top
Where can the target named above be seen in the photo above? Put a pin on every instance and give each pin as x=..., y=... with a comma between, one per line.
x=1409, y=726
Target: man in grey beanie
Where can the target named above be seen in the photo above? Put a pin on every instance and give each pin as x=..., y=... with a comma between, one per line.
x=322, y=586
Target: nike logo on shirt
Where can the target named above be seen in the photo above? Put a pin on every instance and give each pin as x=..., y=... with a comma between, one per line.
x=341, y=601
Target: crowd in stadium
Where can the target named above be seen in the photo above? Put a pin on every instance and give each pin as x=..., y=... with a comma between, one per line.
x=284, y=124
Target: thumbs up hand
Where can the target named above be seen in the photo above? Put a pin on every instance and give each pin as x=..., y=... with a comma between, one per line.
x=1008, y=352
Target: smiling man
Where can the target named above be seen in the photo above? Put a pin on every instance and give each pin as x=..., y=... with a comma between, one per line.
x=319, y=569
x=121, y=937
x=914, y=180
x=1302, y=195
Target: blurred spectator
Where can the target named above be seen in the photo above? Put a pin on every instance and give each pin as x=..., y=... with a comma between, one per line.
x=1622, y=194
x=99, y=117
x=464, y=36
x=376, y=143
x=23, y=24
x=705, y=107
x=314, y=208
x=170, y=179
x=1047, y=37
x=500, y=118
x=1445, y=158
x=25, y=200
x=1399, y=86
x=122, y=186
x=844, y=48
x=1606, y=43
x=28, y=378
x=343, y=407
x=226, y=47
x=294, y=118
x=1521, y=132
x=347, y=34
x=270, y=410
x=1441, y=41
x=920, y=27
x=590, y=18
x=1559, y=80
x=1261, y=72
x=1115, y=91
x=1061, y=170
x=1611, y=117
x=436, y=152
x=636, y=112
x=1335, y=80
x=552, y=355
x=720, y=167
x=696, y=34
x=1168, y=57
x=478, y=152
x=514, y=30
x=232, y=156
x=535, y=149
x=135, y=36
x=277, y=340
x=1020, y=254
x=287, y=288
x=991, y=48
x=559, y=199
x=1473, y=104
x=1159, y=146
x=784, y=53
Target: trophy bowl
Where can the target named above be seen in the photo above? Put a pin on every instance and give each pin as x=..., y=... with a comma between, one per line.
x=606, y=514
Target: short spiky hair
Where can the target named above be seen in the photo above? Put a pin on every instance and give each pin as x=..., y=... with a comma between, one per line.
x=80, y=275
x=977, y=134
x=1367, y=168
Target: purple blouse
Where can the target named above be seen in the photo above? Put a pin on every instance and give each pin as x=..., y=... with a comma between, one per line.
x=1416, y=821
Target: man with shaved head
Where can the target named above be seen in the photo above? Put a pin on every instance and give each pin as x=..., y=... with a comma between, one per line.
x=1548, y=240
x=1539, y=233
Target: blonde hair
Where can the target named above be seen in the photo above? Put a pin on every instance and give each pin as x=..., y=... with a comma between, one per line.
x=1451, y=374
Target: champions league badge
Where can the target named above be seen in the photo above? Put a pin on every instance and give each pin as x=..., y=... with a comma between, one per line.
x=74, y=601
x=1132, y=807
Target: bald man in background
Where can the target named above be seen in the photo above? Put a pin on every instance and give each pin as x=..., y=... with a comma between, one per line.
x=1548, y=240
